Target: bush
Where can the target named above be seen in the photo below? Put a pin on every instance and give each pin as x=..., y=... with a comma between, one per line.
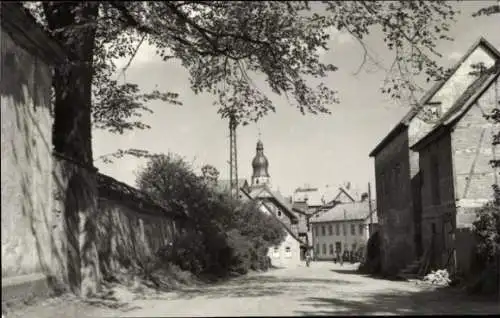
x=226, y=236
x=487, y=231
x=241, y=252
x=186, y=252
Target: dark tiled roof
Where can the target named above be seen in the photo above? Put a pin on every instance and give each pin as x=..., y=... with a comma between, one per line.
x=469, y=92
x=463, y=103
x=23, y=28
x=403, y=124
x=263, y=192
x=112, y=189
x=289, y=230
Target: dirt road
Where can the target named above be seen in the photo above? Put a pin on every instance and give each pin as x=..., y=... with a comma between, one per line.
x=322, y=289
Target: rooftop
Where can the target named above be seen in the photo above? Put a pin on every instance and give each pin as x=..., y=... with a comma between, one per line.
x=415, y=110
x=112, y=189
x=346, y=212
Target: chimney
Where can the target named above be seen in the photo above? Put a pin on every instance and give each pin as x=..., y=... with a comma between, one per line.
x=364, y=196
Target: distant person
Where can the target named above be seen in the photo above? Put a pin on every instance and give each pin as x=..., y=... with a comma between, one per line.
x=308, y=258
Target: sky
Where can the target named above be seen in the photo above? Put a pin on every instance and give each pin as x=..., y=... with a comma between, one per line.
x=314, y=150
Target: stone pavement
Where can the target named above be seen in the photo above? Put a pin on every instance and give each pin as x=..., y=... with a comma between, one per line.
x=322, y=289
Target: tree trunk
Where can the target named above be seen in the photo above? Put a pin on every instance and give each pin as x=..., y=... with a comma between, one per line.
x=72, y=137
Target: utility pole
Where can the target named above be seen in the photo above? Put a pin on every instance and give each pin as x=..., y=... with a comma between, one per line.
x=370, y=226
x=233, y=158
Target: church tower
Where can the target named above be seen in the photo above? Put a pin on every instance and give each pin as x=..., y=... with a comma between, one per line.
x=260, y=175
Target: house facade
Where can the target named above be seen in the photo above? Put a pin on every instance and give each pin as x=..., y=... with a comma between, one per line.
x=454, y=160
x=288, y=253
x=308, y=202
x=343, y=228
x=399, y=177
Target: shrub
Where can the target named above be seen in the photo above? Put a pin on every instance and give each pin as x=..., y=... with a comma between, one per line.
x=487, y=231
x=186, y=252
x=241, y=252
x=226, y=235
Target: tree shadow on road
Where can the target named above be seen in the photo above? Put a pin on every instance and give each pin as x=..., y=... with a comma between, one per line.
x=372, y=276
x=258, y=286
x=346, y=271
x=397, y=302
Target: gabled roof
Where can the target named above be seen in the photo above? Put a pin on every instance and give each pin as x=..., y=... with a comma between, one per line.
x=284, y=225
x=346, y=192
x=345, y=212
x=24, y=30
x=265, y=204
x=460, y=107
x=403, y=124
x=263, y=192
x=315, y=197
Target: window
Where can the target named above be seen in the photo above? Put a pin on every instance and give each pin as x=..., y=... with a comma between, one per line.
x=276, y=252
x=317, y=249
x=338, y=247
x=354, y=247
x=330, y=230
x=353, y=229
x=344, y=230
x=323, y=232
x=337, y=229
x=331, y=249
x=361, y=229
x=313, y=231
x=288, y=252
x=324, y=249
x=436, y=195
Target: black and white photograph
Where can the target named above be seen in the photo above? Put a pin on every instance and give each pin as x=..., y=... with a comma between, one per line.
x=250, y=158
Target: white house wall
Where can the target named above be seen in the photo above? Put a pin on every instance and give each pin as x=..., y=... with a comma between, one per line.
x=346, y=241
x=287, y=254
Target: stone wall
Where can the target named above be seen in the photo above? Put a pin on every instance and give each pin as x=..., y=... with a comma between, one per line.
x=464, y=181
x=29, y=226
x=438, y=200
x=74, y=203
x=472, y=149
x=394, y=204
x=131, y=229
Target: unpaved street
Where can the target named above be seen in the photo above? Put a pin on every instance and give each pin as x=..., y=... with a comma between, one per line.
x=322, y=289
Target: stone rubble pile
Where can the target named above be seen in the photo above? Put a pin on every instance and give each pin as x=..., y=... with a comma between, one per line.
x=439, y=277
